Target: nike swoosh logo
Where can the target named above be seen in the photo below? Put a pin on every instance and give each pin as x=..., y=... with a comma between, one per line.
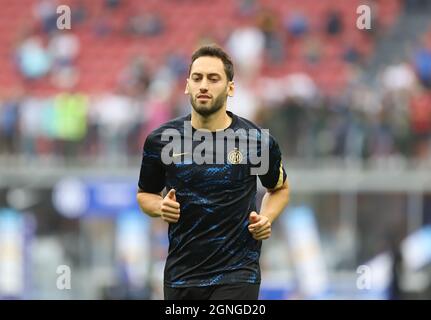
x=178, y=154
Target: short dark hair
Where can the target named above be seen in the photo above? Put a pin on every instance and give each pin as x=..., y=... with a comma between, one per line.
x=215, y=51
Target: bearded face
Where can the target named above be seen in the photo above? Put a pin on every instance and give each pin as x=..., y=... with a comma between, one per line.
x=206, y=105
x=208, y=86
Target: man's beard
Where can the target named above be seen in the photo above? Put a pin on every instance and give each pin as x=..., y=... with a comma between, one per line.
x=207, y=110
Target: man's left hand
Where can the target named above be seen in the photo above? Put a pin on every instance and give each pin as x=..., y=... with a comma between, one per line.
x=259, y=227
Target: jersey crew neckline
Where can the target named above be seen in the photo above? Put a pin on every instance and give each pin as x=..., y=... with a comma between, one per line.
x=231, y=125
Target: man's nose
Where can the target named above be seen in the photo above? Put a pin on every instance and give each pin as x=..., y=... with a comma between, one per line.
x=204, y=86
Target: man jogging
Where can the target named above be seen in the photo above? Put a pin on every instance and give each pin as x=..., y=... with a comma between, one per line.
x=215, y=231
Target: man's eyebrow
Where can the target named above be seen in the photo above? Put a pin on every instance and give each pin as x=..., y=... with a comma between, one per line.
x=209, y=74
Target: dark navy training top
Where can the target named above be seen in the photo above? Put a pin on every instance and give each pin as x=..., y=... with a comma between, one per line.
x=210, y=244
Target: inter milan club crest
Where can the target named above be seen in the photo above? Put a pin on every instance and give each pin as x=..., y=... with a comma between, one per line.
x=235, y=156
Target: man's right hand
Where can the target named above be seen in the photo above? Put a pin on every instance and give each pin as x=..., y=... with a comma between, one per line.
x=170, y=208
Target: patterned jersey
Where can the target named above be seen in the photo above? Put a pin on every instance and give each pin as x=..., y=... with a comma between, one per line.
x=210, y=244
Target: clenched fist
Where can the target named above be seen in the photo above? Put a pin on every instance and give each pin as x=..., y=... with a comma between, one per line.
x=259, y=226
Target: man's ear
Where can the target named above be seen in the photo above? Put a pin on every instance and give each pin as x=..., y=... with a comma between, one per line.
x=186, y=91
x=230, y=89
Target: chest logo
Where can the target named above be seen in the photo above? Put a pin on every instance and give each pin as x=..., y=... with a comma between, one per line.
x=235, y=156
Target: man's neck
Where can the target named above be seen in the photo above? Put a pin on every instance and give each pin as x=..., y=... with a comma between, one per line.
x=217, y=121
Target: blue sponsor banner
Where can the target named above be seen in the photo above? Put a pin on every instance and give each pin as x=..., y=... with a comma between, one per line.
x=75, y=198
x=110, y=197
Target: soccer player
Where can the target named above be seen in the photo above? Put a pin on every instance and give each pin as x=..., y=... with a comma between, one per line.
x=215, y=233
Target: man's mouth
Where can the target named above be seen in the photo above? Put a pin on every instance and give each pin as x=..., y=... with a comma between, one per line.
x=203, y=97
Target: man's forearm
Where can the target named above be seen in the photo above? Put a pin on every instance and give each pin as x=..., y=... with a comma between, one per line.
x=274, y=202
x=150, y=203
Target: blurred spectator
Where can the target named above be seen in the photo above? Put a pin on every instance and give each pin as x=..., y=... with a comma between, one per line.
x=268, y=24
x=416, y=5
x=71, y=111
x=29, y=125
x=145, y=24
x=65, y=77
x=355, y=135
x=334, y=23
x=244, y=102
x=178, y=64
x=205, y=39
x=45, y=12
x=398, y=77
x=112, y=4
x=422, y=61
x=376, y=28
x=136, y=77
x=420, y=118
x=102, y=26
x=247, y=8
x=380, y=135
x=115, y=117
x=246, y=45
x=79, y=13
x=154, y=24
x=296, y=24
x=312, y=50
x=9, y=117
x=63, y=48
x=300, y=85
x=33, y=59
x=158, y=109
x=351, y=54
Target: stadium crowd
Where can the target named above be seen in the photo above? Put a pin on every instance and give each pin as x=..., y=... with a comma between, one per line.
x=354, y=119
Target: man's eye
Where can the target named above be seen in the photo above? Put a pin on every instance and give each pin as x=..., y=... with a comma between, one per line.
x=214, y=79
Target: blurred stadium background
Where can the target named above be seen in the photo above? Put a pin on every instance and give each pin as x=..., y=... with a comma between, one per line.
x=351, y=109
